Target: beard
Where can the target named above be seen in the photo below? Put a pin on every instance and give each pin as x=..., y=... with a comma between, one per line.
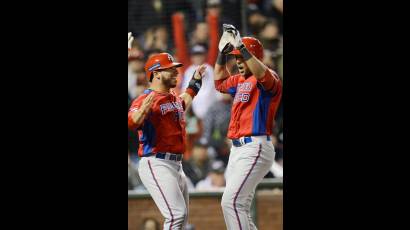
x=169, y=82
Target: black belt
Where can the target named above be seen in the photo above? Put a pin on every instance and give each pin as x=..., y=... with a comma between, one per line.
x=172, y=157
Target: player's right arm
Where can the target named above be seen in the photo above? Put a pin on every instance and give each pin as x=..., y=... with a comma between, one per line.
x=224, y=47
x=194, y=86
x=223, y=82
x=139, y=110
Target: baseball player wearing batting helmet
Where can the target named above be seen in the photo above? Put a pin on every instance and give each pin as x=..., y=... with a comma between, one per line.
x=257, y=92
x=158, y=115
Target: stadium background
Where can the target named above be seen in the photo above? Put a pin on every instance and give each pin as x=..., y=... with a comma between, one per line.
x=190, y=31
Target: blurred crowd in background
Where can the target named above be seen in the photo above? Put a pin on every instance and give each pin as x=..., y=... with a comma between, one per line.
x=190, y=31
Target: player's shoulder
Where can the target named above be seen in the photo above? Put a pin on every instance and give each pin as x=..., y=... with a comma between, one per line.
x=173, y=93
x=274, y=73
x=143, y=95
x=271, y=73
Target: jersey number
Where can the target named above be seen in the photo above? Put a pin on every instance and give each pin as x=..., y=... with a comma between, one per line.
x=242, y=97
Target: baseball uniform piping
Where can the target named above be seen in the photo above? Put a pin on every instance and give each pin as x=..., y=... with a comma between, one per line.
x=163, y=196
x=243, y=182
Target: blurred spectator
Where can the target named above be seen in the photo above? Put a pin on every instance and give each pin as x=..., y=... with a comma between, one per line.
x=193, y=129
x=228, y=11
x=200, y=35
x=214, y=7
x=137, y=81
x=268, y=59
x=134, y=180
x=150, y=224
x=269, y=36
x=197, y=167
x=133, y=141
x=272, y=43
x=272, y=9
x=205, y=34
x=157, y=38
x=215, y=180
x=215, y=125
x=207, y=96
x=277, y=166
x=151, y=52
x=198, y=7
x=142, y=83
x=256, y=20
x=278, y=5
x=279, y=142
x=280, y=65
x=190, y=185
x=145, y=14
x=135, y=54
x=278, y=128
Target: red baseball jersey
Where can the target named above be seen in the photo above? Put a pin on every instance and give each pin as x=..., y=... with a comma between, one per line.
x=163, y=129
x=255, y=103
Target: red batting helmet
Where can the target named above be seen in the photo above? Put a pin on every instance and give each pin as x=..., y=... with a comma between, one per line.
x=253, y=45
x=158, y=62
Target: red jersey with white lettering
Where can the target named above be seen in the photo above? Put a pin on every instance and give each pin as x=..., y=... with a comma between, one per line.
x=163, y=129
x=255, y=103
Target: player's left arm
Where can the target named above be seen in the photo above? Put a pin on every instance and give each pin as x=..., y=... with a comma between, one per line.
x=194, y=86
x=265, y=76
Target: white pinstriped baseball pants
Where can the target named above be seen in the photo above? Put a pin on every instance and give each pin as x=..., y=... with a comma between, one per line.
x=247, y=166
x=165, y=181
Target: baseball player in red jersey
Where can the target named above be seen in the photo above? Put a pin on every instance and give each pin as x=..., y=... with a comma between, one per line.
x=158, y=115
x=257, y=92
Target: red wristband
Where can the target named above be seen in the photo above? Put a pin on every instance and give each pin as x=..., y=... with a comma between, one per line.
x=190, y=92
